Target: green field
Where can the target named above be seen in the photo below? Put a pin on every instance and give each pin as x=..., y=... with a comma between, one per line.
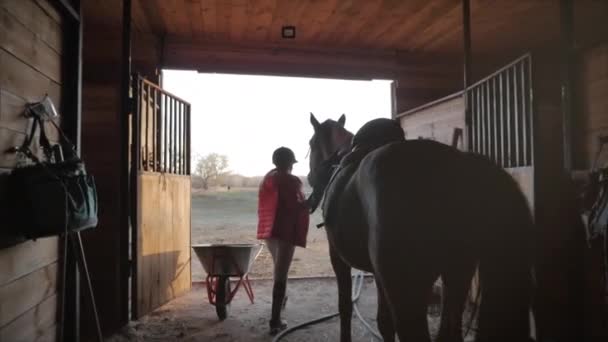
x=215, y=209
x=231, y=217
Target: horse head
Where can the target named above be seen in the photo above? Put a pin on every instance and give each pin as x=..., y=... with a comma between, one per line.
x=328, y=138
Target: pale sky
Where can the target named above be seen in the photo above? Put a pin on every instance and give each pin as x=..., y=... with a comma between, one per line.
x=247, y=117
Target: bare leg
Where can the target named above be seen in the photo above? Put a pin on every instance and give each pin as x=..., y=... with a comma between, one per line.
x=282, y=255
x=345, y=304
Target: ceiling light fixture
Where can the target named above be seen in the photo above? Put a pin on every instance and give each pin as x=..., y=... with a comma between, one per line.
x=288, y=32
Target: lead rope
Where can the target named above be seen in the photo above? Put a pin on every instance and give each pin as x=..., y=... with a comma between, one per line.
x=357, y=287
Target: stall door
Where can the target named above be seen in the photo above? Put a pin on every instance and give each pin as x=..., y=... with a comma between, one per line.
x=160, y=183
x=501, y=123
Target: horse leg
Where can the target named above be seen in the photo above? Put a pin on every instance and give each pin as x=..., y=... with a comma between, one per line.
x=506, y=286
x=384, y=319
x=345, y=304
x=456, y=284
x=406, y=289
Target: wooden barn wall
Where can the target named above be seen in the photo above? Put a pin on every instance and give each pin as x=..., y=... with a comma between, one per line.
x=163, y=239
x=591, y=122
x=592, y=111
x=101, y=148
x=436, y=122
x=30, y=67
x=568, y=298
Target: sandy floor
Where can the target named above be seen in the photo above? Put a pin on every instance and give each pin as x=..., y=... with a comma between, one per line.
x=192, y=318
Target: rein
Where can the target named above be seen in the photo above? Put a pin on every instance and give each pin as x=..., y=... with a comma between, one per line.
x=325, y=174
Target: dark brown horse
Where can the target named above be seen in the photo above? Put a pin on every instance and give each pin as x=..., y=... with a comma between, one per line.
x=411, y=211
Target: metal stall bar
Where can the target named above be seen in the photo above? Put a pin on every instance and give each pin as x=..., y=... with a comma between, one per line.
x=164, y=136
x=495, y=121
x=188, y=141
x=501, y=115
x=166, y=109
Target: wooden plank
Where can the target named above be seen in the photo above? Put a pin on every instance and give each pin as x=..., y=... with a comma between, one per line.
x=152, y=16
x=34, y=325
x=391, y=15
x=354, y=25
x=286, y=13
x=437, y=122
x=260, y=19
x=18, y=261
x=35, y=19
x=163, y=259
x=595, y=105
x=24, y=81
x=24, y=293
x=439, y=34
x=209, y=11
x=11, y=113
x=48, y=335
x=197, y=27
x=223, y=19
x=139, y=17
x=240, y=12
x=181, y=280
x=312, y=22
x=8, y=139
x=429, y=21
x=524, y=176
x=50, y=10
x=25, y=45
x=11, y=117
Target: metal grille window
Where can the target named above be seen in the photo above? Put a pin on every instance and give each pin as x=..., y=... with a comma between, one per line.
x=163, y=123
x=501, y=115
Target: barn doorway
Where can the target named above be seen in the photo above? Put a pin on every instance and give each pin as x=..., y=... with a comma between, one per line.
x=237, y=122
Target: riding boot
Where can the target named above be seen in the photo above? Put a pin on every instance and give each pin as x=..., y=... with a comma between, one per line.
x=278, y=298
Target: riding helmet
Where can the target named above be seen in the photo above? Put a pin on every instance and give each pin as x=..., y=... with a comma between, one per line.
x=283, y=156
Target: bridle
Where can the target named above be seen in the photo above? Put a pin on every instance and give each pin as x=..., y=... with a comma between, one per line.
x=324, y=175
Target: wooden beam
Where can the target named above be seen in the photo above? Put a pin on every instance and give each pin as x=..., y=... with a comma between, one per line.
x=466, y=23
x=71, y=107
x=125, y=209
x=567, y=59
x=301, y=61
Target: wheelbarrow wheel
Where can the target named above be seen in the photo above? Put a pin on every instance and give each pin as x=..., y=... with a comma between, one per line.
x=221, y=299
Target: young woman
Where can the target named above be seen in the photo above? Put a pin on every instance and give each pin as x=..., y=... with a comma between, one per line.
x=282, y=224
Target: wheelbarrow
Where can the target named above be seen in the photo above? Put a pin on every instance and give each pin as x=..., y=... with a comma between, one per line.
x=222, y=261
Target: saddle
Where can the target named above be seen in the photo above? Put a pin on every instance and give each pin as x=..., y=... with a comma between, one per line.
x=338, y=170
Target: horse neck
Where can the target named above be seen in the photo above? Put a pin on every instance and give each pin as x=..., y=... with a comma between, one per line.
x=341, y=140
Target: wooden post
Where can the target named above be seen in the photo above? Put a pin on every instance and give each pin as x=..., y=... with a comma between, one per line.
x=125, y=208
x=567, y=40
x=71, y=103
x=466, y=23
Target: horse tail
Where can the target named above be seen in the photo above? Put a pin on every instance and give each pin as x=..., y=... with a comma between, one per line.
x=505, y=273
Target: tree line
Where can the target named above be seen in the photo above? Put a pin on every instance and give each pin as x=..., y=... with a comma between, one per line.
x=212, y=170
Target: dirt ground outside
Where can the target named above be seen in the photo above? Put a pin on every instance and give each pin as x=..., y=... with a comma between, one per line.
x=191, y=318
x=222, y=216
